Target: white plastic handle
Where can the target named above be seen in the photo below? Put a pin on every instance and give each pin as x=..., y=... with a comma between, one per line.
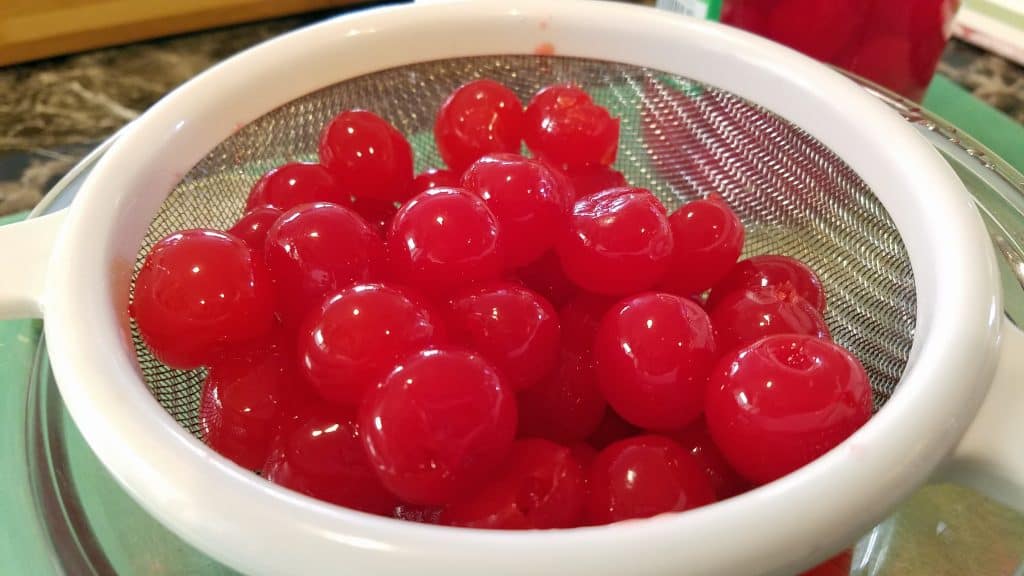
x=24, y=257
x=990, y=457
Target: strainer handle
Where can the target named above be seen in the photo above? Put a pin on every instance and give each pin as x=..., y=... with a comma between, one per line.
x=24, y=256
x=990, y=457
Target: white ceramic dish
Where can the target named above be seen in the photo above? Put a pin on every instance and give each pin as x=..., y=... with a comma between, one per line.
x=77, y=266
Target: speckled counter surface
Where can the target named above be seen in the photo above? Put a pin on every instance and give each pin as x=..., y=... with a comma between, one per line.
x=53, y=112
x=996, y=81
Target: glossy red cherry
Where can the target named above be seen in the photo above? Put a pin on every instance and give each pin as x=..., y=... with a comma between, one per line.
x=539, y=486
x=377, y=213
x=512, y=327
x=197, y=292
x=435, y=178
x=612, y=429
x=480, y=117
x=438, y=425
x=771, y=271
x=564, y=126
x=585, y=454
x=696, y=440
x=244, y=399
x=323, y=457
x=581, y=317
x=314, y=250
x=355, y=338
x=746, y=316
x=654, y=352
x=566, y=405
x=594, y=178
x=252, y=228
x=554, y=97
x=368, y=156
x=296, y=183
x=619, y=241
x=644, y=476
x=545, y=277
x=559, y=172
x=529, y=201
x=707, y=238
x=784, y=401
x=443, y=238
x=300, y=404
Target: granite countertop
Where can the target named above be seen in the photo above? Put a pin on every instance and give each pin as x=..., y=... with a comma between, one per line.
x=53, y=112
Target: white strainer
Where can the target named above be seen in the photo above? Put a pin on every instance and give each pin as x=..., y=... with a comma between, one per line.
x=816, y=168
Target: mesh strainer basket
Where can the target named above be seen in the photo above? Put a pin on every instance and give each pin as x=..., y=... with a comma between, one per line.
x=815, y=168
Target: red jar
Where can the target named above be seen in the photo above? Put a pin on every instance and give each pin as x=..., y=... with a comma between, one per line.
x=896, y=43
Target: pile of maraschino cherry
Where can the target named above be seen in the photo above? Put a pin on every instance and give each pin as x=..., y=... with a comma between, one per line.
x=513, y=342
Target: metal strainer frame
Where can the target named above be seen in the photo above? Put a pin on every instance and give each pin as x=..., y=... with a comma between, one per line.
x=224, y=510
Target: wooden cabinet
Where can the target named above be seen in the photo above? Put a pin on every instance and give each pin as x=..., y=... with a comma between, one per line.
x=31, y=29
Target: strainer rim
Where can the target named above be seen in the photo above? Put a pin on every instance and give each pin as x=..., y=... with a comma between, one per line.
x=81, y=279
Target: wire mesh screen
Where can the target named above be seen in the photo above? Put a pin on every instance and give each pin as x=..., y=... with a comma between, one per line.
x=679, y=138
